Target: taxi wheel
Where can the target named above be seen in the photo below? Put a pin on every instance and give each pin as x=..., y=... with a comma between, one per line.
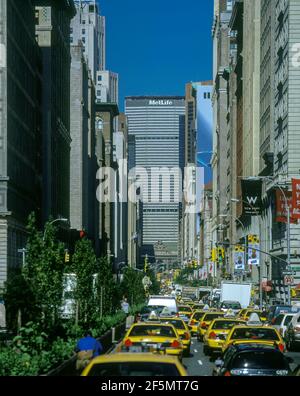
x=290, y=346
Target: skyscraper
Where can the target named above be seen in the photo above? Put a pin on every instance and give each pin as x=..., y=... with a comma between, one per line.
x=157, y=123
x=20, y=129
x=88, y=26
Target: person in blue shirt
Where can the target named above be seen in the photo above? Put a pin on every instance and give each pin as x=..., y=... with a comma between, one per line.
x=87, y=348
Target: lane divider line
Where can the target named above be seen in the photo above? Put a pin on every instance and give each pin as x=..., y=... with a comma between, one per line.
x=200, y=362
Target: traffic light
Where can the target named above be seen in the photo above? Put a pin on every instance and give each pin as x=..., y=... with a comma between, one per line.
x=146, y=265
x=67, y=257
x=221, y=255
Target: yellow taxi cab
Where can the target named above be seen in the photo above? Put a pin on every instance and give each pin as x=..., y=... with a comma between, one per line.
x=245, y=334
x=134, y=364
x=185, y=311
x=194, y=322
x=242, y=312
x=248, y=312
x=182, y=330
x=217, y=332
x=206, y=320
x=161, y=337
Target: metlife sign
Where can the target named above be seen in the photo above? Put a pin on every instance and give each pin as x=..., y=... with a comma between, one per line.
x=153, y=102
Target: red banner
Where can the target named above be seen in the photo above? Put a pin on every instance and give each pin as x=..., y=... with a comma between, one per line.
x=281, y=213
x=296, y=198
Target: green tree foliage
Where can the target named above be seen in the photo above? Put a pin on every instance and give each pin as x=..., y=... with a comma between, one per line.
x=107, y=293
x=35, y=291
x=84, y=265
x=132, y=286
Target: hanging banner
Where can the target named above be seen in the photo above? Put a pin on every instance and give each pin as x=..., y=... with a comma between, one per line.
x=239, y=258
x=252, y=200
x=296, y=198
x=281, y=213
x=253, y=253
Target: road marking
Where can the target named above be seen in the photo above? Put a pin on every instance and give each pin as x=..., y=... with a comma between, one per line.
x=195, y=350
x=192, y=342
x=200, y=362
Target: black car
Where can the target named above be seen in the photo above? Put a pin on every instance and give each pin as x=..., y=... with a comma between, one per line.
x=252, y=360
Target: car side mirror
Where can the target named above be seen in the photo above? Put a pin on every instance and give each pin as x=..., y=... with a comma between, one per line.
x=219, y=362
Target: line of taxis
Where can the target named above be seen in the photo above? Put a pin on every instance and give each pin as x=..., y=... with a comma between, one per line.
x=156, y=346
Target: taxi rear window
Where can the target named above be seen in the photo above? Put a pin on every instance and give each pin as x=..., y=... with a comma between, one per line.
x=211, y=316
x=255, y=334
x=198, y=315
x=224, y=325
x=184, y=308
x=130, y=369
x=178, y=324
x=154, y=331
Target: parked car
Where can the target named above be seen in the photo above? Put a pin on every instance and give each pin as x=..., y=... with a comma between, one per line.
x=292, y=334
x=282, y=321
x=252, y=360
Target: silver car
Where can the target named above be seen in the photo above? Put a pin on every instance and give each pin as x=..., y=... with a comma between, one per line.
x=282, y=321
x=292, y=334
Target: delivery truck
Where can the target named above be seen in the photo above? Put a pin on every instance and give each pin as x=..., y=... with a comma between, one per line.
x=234, y=291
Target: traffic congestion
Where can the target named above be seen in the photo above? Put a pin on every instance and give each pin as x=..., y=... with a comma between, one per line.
x=200, y=333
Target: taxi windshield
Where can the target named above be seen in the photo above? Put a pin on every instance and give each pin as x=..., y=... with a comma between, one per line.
x=224, y=325
x=255, y=334
x=152, y=331
x=130, y=369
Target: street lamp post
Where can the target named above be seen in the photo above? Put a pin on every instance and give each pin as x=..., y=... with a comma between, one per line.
x=241, y=223
x=54, y=221
x=235, y=200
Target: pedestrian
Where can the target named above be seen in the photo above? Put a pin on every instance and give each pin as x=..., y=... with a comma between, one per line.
x=125, y=306
x=87, y=348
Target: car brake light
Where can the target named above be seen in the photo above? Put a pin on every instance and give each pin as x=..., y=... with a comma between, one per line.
x=175, y=344
x=212, y=335
x=227, y=374
x=128, y=342
x=186, y=336
x=203, y=325
x=281, y=347
x=193, y=322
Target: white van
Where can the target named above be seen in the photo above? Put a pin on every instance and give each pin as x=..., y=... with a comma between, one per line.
x=164, y=301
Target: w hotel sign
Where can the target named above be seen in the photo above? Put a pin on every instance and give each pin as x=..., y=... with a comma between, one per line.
x=252, y=201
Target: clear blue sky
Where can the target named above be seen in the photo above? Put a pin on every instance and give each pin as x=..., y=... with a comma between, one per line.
x=157, y=46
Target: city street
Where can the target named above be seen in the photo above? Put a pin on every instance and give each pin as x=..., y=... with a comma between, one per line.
x=200, y=365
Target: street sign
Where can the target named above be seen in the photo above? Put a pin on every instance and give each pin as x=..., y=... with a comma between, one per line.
x=289, y=273
x=288, y=280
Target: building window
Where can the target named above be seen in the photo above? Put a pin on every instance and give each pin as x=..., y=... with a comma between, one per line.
x=83, y=31
x=98, y=93
x=229, y=5
x=99, y=78
x=204, y=95
x=83, y=22
x=71, y=30
x=83, y=39
x=208, y=95
x=71, y=39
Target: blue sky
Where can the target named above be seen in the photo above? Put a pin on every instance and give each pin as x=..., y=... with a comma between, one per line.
x=157, y=46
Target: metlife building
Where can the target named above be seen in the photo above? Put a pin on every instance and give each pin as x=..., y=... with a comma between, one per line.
x=156, y=129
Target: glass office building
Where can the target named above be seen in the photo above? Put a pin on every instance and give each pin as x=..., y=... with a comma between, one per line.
x=157, y=125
